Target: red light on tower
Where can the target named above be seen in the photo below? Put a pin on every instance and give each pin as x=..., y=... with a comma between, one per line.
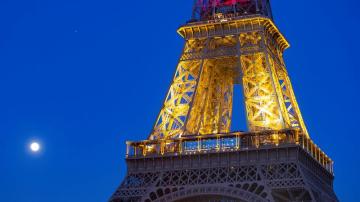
x=207, y=9
x=233, y=2
x=217, y=3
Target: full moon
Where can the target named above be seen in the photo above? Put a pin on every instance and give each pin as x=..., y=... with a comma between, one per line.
x=34, y=147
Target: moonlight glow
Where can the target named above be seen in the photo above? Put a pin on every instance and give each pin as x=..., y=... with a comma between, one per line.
x=34, y=147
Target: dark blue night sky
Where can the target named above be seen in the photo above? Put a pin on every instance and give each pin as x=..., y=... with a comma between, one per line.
x=83, y=76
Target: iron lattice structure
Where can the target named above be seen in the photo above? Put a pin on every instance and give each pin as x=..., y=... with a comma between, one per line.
x=216, y=56
x=191, y=154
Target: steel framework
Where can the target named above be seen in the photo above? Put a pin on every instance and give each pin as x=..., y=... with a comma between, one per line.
x=217, y=55
x=191, y=153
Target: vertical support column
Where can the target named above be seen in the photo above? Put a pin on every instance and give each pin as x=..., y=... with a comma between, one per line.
x=295, y=106
x=263, y=107
x=174, y=113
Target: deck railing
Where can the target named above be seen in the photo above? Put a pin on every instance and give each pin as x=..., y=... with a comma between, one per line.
x=235, y=141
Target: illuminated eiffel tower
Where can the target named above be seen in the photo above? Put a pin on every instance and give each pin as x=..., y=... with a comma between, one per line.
x=191, y=154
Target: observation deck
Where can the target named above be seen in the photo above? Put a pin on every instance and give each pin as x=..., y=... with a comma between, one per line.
x=229, y=142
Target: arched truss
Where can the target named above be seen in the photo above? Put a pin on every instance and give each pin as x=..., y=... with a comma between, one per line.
x=242, y=193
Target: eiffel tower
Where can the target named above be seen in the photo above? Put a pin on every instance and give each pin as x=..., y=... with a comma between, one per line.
x=192, y=154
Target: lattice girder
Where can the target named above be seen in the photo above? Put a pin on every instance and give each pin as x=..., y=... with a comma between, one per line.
x=262, y=104
x=200, y=97
x=172, y=116
x=212, y=106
